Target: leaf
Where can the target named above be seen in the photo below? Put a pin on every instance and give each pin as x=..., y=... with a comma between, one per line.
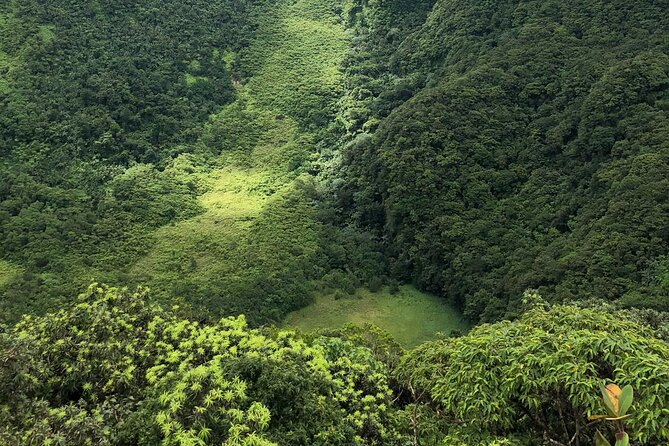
x=625, y=399
x=622, y=439
x=600, y=440
x=611, y=393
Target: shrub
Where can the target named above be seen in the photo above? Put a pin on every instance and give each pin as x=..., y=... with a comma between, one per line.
x=542, y=374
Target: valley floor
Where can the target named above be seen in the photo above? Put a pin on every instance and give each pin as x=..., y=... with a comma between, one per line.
x=410, y=316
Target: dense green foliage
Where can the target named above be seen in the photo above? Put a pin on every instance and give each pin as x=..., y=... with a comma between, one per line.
x=117, y=369
x=88, y=91
x=247, y=158
x=489, y=147
x=533, y=152
x=170, y=145
x=538, y=375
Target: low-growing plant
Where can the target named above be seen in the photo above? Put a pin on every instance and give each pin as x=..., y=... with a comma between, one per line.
x=617, y=402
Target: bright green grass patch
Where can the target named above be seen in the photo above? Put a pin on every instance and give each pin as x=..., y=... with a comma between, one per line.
x=204, y=245
x=295, y=59
x=8, y=272
x=410, y=316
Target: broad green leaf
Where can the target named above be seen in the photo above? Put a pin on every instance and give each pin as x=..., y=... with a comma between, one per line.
x=625, y=400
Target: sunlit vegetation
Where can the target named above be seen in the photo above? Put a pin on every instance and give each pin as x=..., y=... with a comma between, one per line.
x=410, y=316
x=217, y=208
x=117, y=369
x=7, y=272
x=362, y=222
x=254, y=249
x=536, y=377
x=95, y=107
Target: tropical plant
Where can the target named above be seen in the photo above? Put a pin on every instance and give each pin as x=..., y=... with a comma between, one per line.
x=617, y=402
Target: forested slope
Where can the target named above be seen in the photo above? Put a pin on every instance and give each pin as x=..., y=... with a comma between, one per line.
x=171, y=145
x=243, y=156
x=89, y=90
x=530, y=149
x=488, y=147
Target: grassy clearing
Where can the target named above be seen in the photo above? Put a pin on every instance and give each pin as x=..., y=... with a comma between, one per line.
x=205, y=248
x=299, y=77
x=254, y=247
x=410, y=316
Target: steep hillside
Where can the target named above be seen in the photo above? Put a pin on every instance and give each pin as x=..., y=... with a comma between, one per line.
x=172, y=145
x=487, y=181
x=530, y=149
x=275, y=145
x=96, y=100
x=255, y=248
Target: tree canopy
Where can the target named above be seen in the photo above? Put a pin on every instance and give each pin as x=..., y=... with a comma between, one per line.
x=243, y=159
x=116, y=368
x=519, y=144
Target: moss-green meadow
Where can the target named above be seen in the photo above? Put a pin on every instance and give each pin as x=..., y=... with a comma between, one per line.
x=410, y=316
